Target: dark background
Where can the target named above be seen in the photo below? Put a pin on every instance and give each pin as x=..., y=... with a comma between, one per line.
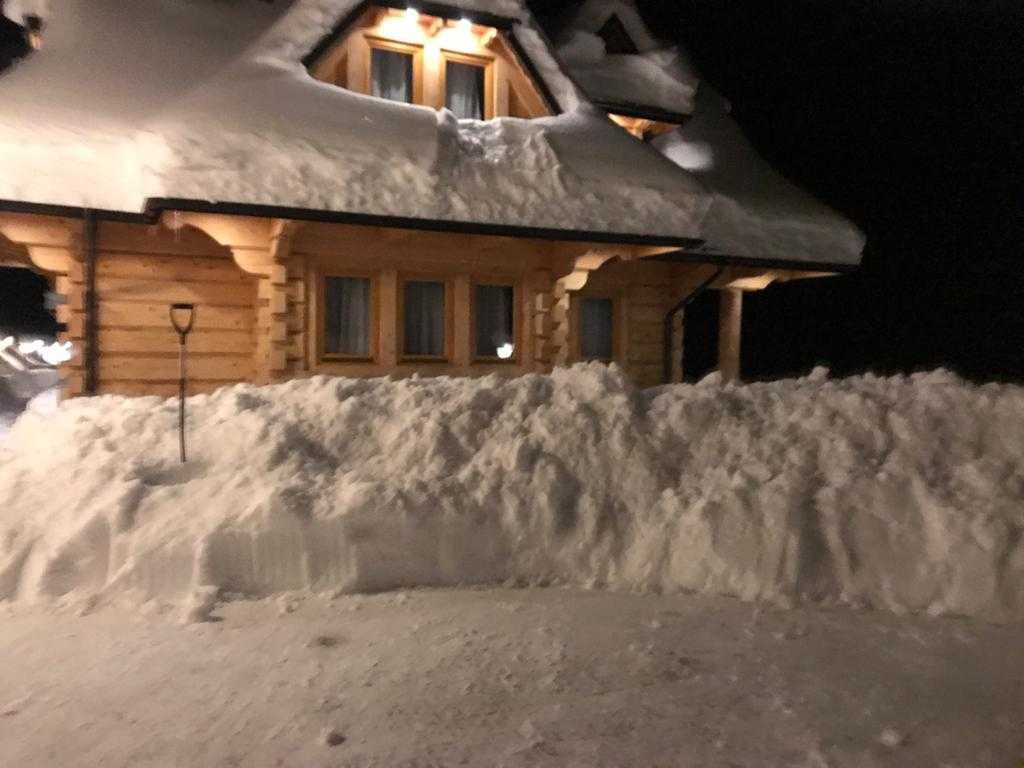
x=907, y=116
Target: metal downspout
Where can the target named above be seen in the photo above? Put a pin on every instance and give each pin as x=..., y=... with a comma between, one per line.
x=683, y=303
x=90, y=227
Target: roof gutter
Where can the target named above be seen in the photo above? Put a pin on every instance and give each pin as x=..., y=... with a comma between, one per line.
x=156, y=206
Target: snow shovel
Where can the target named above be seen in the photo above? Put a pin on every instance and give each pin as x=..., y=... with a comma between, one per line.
x=183, y=317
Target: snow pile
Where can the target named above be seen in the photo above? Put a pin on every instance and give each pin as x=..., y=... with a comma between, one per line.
x=901, y=493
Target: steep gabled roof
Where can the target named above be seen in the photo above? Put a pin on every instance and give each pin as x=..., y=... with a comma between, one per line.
x=210, y=102
x=655, y=81
x=755, y=213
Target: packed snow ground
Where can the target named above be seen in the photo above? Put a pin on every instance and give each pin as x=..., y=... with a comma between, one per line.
x=508, y=678
x=900, y=493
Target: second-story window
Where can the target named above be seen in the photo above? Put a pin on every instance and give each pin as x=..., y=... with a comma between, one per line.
x=391, y=75
x=465, y=89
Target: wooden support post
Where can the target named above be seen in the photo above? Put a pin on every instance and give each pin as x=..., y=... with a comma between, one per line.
x=730, y=322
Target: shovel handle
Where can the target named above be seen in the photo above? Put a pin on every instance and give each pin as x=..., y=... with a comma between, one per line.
x=183, y=328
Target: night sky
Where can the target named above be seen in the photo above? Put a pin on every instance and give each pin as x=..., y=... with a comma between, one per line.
x=907, y=116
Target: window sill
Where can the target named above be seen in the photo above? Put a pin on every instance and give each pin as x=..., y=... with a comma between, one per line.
x=422, y=359
x=346, y=359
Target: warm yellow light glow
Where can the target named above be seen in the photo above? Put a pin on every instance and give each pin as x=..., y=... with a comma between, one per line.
x=465, y=25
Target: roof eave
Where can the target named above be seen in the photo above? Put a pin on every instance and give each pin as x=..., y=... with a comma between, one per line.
x=686, y=248
x=641, y=111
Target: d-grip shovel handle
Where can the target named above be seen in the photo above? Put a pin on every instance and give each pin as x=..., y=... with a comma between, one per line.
x=183, y=328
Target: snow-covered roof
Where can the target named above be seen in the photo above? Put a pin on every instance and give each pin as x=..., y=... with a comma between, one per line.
x=657, y=78
x=755, y=210
x=208, y=100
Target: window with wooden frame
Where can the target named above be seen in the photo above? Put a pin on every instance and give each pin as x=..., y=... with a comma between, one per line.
x=596, y=328
x=341, y=71
x=425, y=319
x=494, y=319
x=348, y=317
x=395, y=71
x=467, y=85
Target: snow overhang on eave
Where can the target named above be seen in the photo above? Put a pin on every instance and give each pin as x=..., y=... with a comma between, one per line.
x=503, y=24
x=699, y=256
x=684, y=250
x=641, y=111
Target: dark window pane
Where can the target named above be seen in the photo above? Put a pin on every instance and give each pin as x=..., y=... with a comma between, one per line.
x=391, y=75
x=495, y=333
x=347, y=316
x=596, y=329
x=424, y=319
x=616, y=38
x=464, y=87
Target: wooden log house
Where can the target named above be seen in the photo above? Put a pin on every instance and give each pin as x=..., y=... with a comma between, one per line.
x=286, y=290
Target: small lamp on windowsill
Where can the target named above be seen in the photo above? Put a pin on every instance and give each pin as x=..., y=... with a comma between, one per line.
x=505, y=351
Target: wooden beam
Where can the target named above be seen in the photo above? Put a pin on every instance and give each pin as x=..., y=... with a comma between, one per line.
x=730, y=322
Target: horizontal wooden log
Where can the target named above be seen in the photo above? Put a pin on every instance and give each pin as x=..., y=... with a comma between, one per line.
x=157, y=388
x=205, y=294
x=153, y=340
x=170, y=267
x=153, y=239
x=132, y=315
x=165, y=368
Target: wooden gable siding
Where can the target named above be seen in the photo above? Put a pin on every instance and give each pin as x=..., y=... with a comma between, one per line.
x=140, y=271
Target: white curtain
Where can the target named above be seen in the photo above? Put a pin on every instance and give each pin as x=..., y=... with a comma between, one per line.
x=391, y=75
x=464, y=84
x=347, y=316
x=494, y=319
x=596, y=329
x=424, y=319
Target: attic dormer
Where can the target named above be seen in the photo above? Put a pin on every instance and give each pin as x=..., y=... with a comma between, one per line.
x=464, y=63
x=616, y=39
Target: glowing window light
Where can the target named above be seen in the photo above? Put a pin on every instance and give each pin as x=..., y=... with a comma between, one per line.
x=505, y=351
x=412, y=15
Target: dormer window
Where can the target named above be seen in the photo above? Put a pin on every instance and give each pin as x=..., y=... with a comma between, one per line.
x=433, y=61
x=467, y=85
x=464, y=90
x=395, y=71
x=391, y=75
x=616, y=38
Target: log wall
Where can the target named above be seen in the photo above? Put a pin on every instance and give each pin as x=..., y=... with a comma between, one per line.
x=140, y=271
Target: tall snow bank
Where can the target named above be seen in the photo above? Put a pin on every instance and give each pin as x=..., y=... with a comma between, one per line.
x=900, y=493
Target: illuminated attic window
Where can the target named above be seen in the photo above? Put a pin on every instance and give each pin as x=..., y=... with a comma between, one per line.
x=616, y=38
x=443, y=62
